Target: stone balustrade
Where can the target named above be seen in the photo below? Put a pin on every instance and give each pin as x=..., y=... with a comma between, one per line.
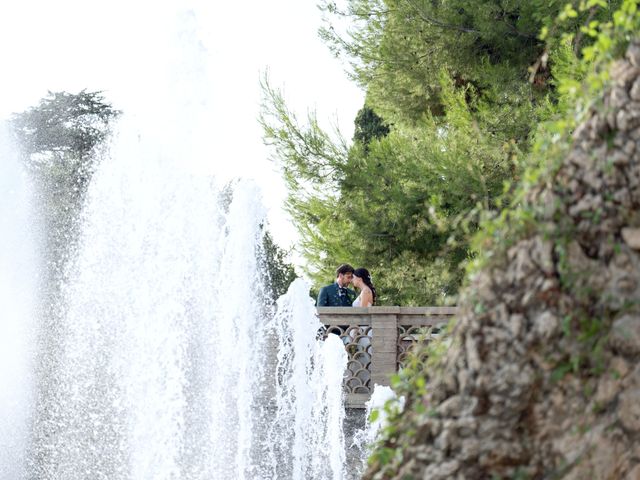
x=377, y=340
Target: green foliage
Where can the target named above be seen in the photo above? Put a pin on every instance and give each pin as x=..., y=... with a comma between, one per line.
x=369, y=126
x=61, y=140
x=65, y=122
x=580, y=81
x=278, y=272
x=400, y=205
x=398, y=47
x=457, y=94
x=448, y=118
x=410, y=383
x=60, y=134
x=315, y=161
x=578, y=65
x=495, y=48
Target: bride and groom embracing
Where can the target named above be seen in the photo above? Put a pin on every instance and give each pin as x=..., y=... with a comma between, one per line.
x=339, y=295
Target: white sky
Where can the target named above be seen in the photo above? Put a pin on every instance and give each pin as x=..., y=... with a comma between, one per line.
x=195, y=58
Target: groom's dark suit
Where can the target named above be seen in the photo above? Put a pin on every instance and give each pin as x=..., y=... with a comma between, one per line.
x=335, y=296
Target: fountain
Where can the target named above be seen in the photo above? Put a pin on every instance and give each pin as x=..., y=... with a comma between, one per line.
x=172, y=363
x=18, y=293
x=163, y=356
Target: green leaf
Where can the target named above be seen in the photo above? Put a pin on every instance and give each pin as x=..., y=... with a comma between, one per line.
x=374, y=415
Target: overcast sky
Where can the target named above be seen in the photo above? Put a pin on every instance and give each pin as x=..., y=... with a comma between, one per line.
x=146, y=55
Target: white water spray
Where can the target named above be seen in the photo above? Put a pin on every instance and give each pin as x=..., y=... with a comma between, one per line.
x=309, y=392
x=166, y=358
x=365, y=438
x=18, y=288
x=167, y=364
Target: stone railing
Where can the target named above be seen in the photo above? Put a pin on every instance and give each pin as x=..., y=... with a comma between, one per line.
x=377, y=340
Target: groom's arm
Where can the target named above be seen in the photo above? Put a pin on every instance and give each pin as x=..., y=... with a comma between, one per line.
x=323, y=298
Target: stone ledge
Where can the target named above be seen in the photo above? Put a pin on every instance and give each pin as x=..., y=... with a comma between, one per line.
x=388, y=341
x=417, y=311
x=356, y=400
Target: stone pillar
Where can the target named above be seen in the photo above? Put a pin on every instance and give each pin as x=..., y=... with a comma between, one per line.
x=384, y=342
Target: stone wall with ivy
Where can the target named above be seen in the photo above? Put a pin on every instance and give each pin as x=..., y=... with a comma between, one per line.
x=541, y=377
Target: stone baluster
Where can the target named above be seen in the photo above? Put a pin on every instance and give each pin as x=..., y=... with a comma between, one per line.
x=384, y=323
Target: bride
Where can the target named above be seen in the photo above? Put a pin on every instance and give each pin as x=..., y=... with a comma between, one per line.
x=362, y=281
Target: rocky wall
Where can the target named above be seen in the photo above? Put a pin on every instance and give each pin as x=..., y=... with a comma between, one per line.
x=542, y=380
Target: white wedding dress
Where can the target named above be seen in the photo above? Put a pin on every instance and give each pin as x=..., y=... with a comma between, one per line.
x=358, y=301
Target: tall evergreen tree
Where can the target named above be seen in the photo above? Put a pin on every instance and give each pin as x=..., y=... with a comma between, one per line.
x=462, y=87
x=395, y=205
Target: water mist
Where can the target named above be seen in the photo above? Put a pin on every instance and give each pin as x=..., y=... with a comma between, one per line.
x=172, y=363
x=18, y=294
x=170, y=360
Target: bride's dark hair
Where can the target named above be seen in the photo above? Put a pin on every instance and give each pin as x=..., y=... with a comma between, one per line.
x=364, y=274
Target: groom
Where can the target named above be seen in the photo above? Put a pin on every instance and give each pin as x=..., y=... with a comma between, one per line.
x=337, y=294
